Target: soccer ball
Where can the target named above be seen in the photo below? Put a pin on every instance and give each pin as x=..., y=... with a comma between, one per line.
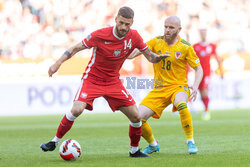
x=70, y=150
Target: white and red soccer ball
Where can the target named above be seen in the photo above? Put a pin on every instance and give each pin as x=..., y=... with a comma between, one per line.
x=70, y=150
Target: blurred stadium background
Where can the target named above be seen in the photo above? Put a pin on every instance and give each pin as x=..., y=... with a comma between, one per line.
x=34, y=33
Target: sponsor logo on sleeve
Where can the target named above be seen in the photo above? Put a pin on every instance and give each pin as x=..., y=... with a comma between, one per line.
x=197, y=61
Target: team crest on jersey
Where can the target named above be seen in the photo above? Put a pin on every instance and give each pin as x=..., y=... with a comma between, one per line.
x=117, y=53
x=177, y=55
x=209, y=49
x=84, y=95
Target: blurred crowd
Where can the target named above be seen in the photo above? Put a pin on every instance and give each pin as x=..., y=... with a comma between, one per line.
x=45, y=28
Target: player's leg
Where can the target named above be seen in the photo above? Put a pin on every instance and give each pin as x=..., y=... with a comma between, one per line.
x=180, y=102
x=119, y=99
x=204, y=97
x=85, y=95
x=134, y=130
x=65, y=125
x=145, y=113
x=68, y=119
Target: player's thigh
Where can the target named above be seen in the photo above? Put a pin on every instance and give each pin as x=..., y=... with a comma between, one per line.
x=131, y=112
x=204, y=92
x=204, y=82
x=117, y=96
x=179, y=97
x=157, y=100
x=145, y=112
x=87, y=92
x=78, y=107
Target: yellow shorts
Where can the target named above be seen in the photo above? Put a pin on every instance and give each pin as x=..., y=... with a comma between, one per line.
x=159, y=98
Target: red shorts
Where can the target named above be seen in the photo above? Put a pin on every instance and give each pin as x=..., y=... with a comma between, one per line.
x=204, y=82
x=115, y=93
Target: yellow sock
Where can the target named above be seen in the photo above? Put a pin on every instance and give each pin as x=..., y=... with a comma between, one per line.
x=147, y=133
x=186, y=119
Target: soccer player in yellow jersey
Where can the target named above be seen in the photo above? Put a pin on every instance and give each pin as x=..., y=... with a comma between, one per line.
x=171, y=73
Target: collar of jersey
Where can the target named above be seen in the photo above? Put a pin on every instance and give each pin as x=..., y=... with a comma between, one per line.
x=116, y=35
x=175, y=42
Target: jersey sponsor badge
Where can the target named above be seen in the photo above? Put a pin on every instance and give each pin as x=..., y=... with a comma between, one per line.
x=197, y=61
x=117, y=53
x=177, y=55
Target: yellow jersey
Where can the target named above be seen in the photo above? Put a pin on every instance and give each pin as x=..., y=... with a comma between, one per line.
x=173, y=69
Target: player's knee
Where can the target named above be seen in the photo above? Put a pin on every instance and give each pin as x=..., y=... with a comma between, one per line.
x=76, y=111
x=135, y=119
x=143, y=121
x=180, y=100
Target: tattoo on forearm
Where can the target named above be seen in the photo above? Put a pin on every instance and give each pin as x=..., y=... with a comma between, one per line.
x=67, y=53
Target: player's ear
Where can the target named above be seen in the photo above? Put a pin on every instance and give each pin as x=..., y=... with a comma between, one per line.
x=179, y=29
x=132, y=22
x=116, y=19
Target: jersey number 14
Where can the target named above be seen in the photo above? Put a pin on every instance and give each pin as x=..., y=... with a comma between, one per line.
x=127, y=44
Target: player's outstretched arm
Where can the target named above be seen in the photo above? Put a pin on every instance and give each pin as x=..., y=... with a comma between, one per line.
x=66, y=55
x=198, y=77
x=153, y=57
x=134, y=54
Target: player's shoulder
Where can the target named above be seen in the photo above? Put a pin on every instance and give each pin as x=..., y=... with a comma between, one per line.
x=133, y=32
x=157, y=38
x=212, y=45
x=103, y=32
x=196, y=44
x=185, y=43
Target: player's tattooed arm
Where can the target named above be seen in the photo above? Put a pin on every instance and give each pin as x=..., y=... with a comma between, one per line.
x=134, y=54
x=153, y=57
x=73, y=50
x=66, y=55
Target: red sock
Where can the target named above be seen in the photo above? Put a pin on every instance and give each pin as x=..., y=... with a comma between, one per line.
x=205, y=101
x=64, y=127
x=134, y=135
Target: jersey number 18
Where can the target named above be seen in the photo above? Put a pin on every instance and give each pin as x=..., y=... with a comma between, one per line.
x=168, y=66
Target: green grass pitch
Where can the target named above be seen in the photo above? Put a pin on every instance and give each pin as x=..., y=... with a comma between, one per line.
x=224, y=141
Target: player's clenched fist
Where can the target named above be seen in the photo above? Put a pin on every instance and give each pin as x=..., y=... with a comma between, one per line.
x=53, y=69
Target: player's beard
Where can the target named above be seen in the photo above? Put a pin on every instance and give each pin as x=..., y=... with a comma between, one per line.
x=171, y=38
x=121, y=33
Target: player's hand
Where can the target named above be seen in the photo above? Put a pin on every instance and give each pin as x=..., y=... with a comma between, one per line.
x=53, y=69
x=194, y=93
x=163, y=56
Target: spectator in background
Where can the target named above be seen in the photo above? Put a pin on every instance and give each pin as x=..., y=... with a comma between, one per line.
x=204, y=51
x=49, y=17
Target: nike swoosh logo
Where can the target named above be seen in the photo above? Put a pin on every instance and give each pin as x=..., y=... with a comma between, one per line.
x=107, y=42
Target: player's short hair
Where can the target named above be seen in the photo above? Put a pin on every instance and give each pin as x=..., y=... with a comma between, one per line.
x=126, y=12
